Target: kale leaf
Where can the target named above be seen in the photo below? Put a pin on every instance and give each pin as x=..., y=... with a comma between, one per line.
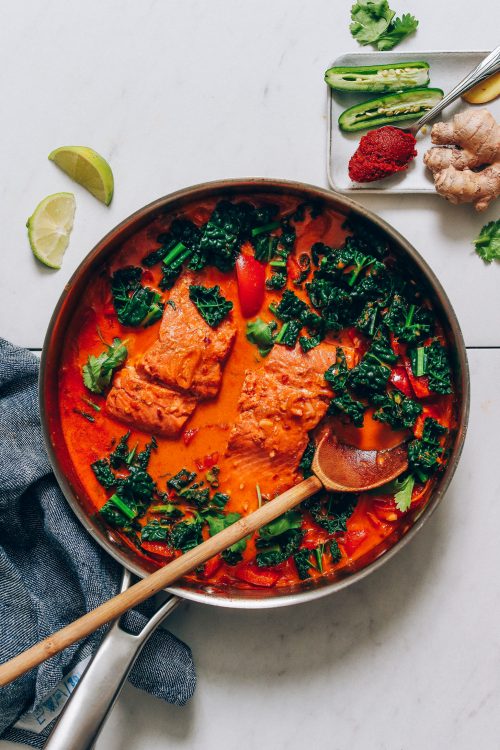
x=337, y=373
x=369, y=376
x=335, y=552
x=134, y=304
x=195, y=496
x=153, y=531
x=309, y=342
x=289, y=333
x=367, y=320
x=281, y=548
x=437, y=368
x=408, y=322
x=290, y=307
x=103, y=473
x=138, y=485
x=210, y=303
x=395, y=409
x=121, y=455
x=277, y=280
x=302, y=560
x=307, y=459
x=381, y=347
x=181, y=480
x=331, y=511
x=185, y=535
x=279, y=539
x=118, y=511
x=345, y=404
x=143, y=457
x=424, y=455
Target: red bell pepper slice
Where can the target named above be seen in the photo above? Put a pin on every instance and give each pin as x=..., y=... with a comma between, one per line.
x=293, y=268
x=212, y=566
x=401, y=381
x=188, y=435
x=251, y=275
x=158, y=549
x=207, y=462
x=420, y=385
x=352, y=540
x=395, y=345
x=250, y=573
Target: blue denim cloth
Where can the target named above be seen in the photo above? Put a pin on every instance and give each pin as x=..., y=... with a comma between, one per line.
x=51, y=570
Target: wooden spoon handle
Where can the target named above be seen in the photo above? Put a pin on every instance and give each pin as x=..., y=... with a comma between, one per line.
x=155, y=582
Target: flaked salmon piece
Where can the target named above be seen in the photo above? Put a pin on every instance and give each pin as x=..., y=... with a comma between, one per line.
x=147, y=406
x=189, y=354
x=279, y=405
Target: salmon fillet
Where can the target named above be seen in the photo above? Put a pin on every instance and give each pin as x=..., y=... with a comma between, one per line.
x=279, y=405
x=189, y=354
x=147, y=406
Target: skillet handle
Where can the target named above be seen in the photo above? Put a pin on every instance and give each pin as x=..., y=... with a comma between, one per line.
x=93, y=698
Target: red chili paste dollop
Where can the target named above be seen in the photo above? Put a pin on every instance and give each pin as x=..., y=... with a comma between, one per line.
x=380, y=153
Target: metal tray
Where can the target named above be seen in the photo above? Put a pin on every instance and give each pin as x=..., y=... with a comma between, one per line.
x=446, y=70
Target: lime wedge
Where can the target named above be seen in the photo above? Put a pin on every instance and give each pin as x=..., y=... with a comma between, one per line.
x=88, y=168
x=49, y=228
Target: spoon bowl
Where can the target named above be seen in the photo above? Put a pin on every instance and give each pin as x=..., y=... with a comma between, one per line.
x=344, y=468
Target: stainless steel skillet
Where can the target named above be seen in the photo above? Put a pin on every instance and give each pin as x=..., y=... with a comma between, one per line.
x=119, y=647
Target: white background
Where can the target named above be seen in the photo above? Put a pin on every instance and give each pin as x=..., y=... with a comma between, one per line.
x=176, y=92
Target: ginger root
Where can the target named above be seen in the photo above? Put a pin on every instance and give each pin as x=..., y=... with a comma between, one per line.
x=466, y=162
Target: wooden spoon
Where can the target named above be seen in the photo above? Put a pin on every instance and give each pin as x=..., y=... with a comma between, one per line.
x=336, y=466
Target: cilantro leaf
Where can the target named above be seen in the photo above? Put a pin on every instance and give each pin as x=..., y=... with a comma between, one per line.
x=98, y=371
x=370, y=19
x=373, y=22
x=397, y=31
x=261, y=334
x=487, y=243
x=402, y=497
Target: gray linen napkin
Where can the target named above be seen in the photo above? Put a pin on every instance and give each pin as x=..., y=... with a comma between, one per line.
x=52, y=571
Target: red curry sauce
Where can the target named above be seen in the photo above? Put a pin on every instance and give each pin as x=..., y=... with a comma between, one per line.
x=204, y=440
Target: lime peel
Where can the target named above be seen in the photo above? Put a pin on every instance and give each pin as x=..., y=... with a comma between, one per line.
x=88, y=168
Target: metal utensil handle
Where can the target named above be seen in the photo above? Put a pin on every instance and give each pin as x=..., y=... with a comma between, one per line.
x=93, y=698
x=486, y=68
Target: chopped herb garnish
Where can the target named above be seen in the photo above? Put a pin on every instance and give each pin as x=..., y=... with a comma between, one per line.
x=98, y=371
x=84, y=414
x=261, y=334
x=90, y=403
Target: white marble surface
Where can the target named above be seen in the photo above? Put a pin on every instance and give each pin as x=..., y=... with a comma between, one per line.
x=176, y=92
